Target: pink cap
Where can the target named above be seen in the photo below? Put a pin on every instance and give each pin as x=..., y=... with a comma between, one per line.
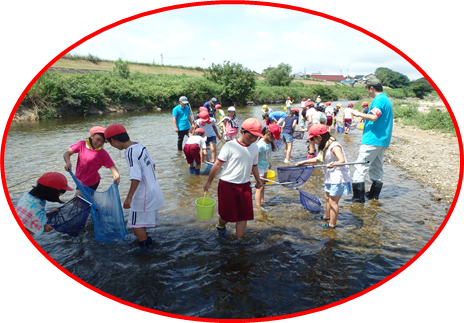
x=328, y=103
x=97, y=129
x=275, y=130
x=54, y=180
x=254, y=126
x=202, y=109
x=113, y=130
x=288, y=98
x=204, y=115
x=350, y=104
x=307, y=104
x=217, y=106
x=295, y=109
x=316, y=130
x=364, y=103
x=200, y=130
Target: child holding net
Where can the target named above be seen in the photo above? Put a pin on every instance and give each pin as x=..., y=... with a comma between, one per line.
x=337, y=180
x=31, y=206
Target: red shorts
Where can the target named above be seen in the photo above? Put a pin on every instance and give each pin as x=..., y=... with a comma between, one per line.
x=235, y=202
x=346, y=122
x=192, y=153
x=329, y=121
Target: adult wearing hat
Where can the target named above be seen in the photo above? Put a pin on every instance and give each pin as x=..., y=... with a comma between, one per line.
x=378, y=128
x=210, y=105
x=182, y=119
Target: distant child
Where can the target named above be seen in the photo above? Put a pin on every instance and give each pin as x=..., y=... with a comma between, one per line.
x=337, y=180
x=231, y=125
x=208, y=124
x=277, y=117
x=195, y=151
x=365, y=107
x=265, y=148
x=91, y=157
x=238, y=158
x=266, y=109
x=337, y=109
x=329, y=113
x=145, y=196
x=221, y=116
x=348, y=117
x=288, y=104
x=31, y=206
x=288, y=128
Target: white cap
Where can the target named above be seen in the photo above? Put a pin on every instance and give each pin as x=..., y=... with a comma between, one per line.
x=231, y=109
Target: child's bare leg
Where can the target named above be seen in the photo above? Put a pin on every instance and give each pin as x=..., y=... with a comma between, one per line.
x=333, y=201
x=288, y=151
x=222, y=223
x=259, y=197
x=140, y=233
x=240, y=228
x=213, y=152
x=327, y=206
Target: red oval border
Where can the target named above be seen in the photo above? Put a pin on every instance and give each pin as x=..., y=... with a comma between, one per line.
x=256, y=3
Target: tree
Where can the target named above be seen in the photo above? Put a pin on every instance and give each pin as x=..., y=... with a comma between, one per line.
x=278, y=76
x=237, y=81
x=121, y=68
x=391, y=78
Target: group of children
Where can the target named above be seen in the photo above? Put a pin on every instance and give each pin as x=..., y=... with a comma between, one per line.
x=239, y=157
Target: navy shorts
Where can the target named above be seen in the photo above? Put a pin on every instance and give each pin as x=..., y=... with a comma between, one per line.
x=210, y=140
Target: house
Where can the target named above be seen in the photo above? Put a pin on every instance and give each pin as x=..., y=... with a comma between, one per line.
x=300, y=75
x=328, y=77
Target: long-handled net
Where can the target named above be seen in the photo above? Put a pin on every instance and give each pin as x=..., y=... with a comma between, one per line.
x=352, y=125
x=340, y=127
x=71, y=217
x=294, y=175
x=278, y=144
x=310, y=202
x=106, y=211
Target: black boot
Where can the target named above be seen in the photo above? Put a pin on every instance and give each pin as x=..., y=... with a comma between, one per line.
x=373, y=194
x=146, y=243
x=358, y=192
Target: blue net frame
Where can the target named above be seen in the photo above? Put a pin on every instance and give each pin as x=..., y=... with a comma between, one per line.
x=298, y=135
x=352, y=125
x=71, y=217
x=310, y=202
x=297, y=174
x=278, y=144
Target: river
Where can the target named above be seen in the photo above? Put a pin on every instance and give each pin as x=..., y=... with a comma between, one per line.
x=291, y=263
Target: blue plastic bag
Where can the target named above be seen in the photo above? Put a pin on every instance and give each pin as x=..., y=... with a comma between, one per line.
x=106, y=210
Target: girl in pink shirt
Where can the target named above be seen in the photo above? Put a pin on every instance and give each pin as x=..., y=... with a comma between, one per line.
x=91, y=158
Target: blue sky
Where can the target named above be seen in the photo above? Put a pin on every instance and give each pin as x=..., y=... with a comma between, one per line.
x=254, y=36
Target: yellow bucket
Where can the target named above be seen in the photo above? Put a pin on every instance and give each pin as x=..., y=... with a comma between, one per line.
x=205, y=207
x=361, y=126
x=271, y=175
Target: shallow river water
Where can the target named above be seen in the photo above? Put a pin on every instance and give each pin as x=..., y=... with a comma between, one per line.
x=291, y=263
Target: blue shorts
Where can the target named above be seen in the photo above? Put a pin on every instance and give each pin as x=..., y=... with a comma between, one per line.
x=210, y=140
x=286, y=137
x=338, y=189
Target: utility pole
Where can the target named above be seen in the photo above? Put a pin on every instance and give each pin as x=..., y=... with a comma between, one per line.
x=161, y=58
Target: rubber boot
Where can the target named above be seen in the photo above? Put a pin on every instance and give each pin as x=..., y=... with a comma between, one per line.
x=192, y=170
x=373, y=194
x=358, y=192
x=196, y=171
x=146, y=243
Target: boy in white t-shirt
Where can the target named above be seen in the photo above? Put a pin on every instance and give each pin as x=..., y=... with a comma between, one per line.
x=145, y=196
x=195, y=151
x=238, y=158
x=348, y=117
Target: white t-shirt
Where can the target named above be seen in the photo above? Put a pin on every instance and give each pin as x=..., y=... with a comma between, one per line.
x=338, y=174
x=208, y=127
x=347, y=113
x=200, y=141
x=238, y=160
x=313, y=113
x=329, y=111
x=148, y=195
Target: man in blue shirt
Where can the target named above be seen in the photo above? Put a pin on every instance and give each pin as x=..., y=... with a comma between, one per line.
x=378, y=127
x=182, y=119
x=211, y=106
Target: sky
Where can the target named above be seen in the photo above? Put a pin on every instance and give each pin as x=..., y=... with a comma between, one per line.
x=255, y=36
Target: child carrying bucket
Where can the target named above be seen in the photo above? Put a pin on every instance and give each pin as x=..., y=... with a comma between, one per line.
x=337, y=180
x=238, y=158
x=265, y=148
x=195, y=151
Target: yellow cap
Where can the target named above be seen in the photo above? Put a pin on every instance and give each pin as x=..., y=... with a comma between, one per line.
x=264, y=107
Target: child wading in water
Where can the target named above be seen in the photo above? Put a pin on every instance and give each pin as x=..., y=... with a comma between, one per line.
x=239, y=157
x=265, y=147
x=145, y=196
x=231, y=125
x=31, y=206
x=337, y=180
x=91, y=158
x=288, y=128
x=208, y=124
x=195, y=151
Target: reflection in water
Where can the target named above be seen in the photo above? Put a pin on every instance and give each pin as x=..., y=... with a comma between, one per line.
x=291, y=263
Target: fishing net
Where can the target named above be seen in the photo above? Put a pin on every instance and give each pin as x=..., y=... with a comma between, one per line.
x=340, y=128
x=71, y=217
x=310, y=202
x=298, y=135
x=352, y=125
x=294, y=175
x=106, y=211
x=278, y=144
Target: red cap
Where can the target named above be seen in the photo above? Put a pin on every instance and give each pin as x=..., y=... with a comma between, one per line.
x=364, y=103
x=254, y=126
x=113, y=130
x=54, y=180
x=304, y=98
x=200, y=130
x=217, y=106
x=202, y=109
x=307, y=104
x=275, y=130
x=316, y=130
x=328, y=103
x=295, y=109
x=204, y=115
x=97, y=129
x=288, y=98
x=350, y=104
